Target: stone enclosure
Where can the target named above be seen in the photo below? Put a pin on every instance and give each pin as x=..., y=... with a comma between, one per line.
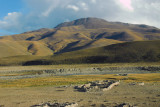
x=97, y=86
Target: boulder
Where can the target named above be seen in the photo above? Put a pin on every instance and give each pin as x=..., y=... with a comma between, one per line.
x=141, y=83
x=124, y=105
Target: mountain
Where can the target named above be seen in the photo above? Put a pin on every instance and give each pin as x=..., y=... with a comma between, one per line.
x=94, y=23
x=89, y=23
x=76, y=35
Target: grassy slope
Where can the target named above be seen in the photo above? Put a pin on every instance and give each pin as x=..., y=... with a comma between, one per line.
x=146, y=51
x=15, y=48
x=140, y=51
x=12, y=48
x=39, y=48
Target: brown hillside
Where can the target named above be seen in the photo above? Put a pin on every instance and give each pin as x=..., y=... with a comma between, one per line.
x=16, y=48
x=75, y=35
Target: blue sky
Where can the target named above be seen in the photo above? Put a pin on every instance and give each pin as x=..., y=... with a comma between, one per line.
x=8, y=6
x=18, y=16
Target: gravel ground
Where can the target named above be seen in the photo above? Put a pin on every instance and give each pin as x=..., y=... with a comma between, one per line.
x=77, y=71
x=141, y=96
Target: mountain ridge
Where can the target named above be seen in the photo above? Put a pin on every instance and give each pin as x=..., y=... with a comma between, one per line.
x=79, y=34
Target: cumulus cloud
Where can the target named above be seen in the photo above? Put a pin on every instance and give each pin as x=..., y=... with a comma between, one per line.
x=146, y=12
x=126, y=4
x=49, y=13
x=12, y=20
x=84, y=6
x=93, y=1
x=75, y=8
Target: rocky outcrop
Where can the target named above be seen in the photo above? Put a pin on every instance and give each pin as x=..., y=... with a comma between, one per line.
x=137, y=83
x=125, y=105
x=57, y=105
x=97, y=86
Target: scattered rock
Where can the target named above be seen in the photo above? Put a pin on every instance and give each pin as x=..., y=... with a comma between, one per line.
x=158, y=95
x=105, y=101
x=102, y=105
x=124, y=105
x=65, y=86
x=132, y=84
x=151, y=68
x=57, y=105
x=97, y=86
x=125, y=78
x=141, y=83
x=93, y=105
x=122, y=74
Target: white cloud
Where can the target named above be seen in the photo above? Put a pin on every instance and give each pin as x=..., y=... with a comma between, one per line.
x=11, y=21
x=146, y=12
x=83, y=5
x=73, y=7
x=93, y=1
x=48, y=11
x=126, y=4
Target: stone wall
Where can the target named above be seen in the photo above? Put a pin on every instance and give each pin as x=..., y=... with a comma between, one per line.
x=97, y=86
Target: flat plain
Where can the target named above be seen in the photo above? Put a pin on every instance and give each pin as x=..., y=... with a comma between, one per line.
x=24, y=86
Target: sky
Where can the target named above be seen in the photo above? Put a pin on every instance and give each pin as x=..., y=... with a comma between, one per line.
x=18, y=16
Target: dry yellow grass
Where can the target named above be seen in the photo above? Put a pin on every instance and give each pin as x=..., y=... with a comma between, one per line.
x=11, y=48
x=135, y=35
x=103, y=42
x=77, y=79
x=17, y=48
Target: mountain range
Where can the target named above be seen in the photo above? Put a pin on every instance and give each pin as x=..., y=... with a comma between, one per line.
x=91, y=38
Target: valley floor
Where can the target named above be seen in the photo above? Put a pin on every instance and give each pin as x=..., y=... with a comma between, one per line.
x=27, y=86
x=141, y=96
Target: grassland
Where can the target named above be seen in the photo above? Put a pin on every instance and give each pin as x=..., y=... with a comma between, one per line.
x=77, y=79
x=142, y=96
x=25, y=92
